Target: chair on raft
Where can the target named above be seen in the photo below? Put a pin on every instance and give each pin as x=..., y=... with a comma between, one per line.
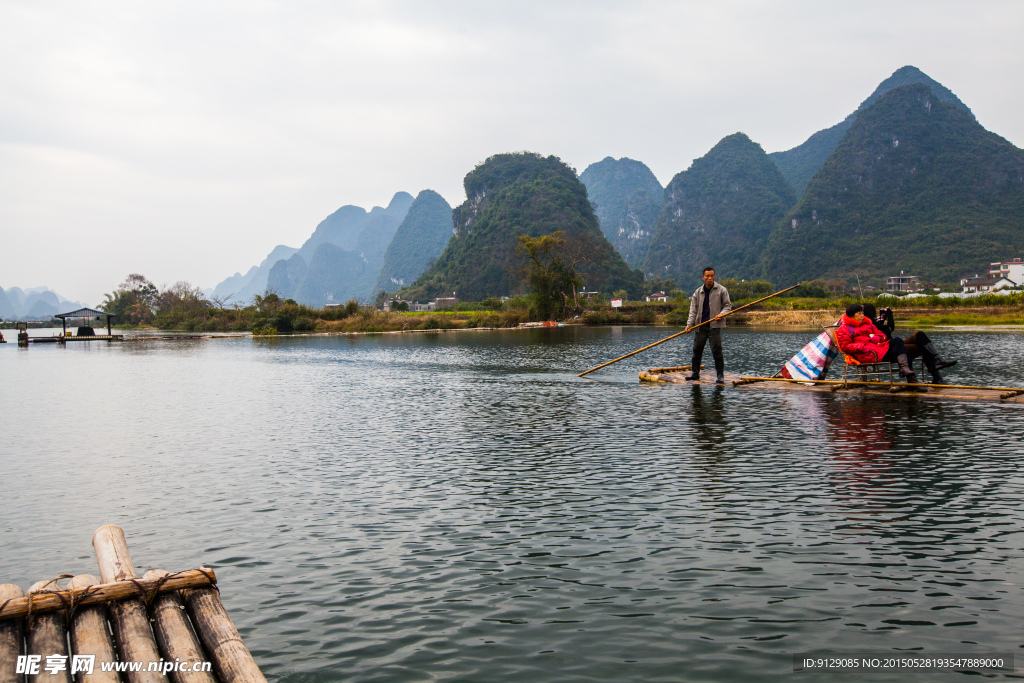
x=863, y=372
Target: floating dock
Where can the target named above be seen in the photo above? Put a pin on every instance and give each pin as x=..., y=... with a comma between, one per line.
x=677, y=375
x=56, y=339
x=157, y=628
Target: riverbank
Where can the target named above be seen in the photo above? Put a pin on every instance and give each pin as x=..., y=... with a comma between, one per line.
x=379, y=321
x=1003, y=317
x=796, y=314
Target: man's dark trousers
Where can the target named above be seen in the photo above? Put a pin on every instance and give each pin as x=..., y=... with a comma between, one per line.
x=700, y=337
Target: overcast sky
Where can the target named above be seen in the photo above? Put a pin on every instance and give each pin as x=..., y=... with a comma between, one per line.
x=183, y=140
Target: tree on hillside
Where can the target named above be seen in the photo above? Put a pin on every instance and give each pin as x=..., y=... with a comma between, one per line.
x=549, y=269
x=746, y=289
x=181, y=299
x=132, y=302
x=657, y=284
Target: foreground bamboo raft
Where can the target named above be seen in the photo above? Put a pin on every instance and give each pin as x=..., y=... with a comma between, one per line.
x=677, y=375
x=172, y=626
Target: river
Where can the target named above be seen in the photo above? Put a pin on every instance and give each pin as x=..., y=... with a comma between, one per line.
x=460, y=506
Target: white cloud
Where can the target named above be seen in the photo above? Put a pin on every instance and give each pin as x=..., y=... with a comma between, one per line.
x=184, y=140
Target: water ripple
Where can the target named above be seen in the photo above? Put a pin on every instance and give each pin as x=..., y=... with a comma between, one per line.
x=462, y=507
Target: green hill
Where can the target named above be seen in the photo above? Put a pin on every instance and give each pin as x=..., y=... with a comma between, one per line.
x=419, y=240
x=511, y=195
x=626, y=198
x=719, y=212
x=799, y=164
x=916, y=185
x=335, y=275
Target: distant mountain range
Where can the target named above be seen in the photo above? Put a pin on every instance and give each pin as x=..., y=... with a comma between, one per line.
x=910, y=181
x=344, y=256
x=36, y=303
x=242, y=288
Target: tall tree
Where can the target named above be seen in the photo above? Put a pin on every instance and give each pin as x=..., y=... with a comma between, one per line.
x=549, y=269
x=133, y=301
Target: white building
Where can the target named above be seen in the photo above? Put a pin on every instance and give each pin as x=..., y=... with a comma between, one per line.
x=985, y=284
x=1011, y=270
x=657, y=296
x=903, y=283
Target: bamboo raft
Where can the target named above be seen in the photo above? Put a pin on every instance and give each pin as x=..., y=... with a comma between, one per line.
x=173, y=624
x=961, y=392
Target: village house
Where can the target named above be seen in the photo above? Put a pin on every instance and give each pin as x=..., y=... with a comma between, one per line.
x=444, y=302
x=985, y=284
x=1011, y=270
x=903, y=283
x=657, y=296
x=388, y=305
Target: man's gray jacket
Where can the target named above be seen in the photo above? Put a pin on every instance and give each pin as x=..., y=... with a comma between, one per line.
x=718, y=302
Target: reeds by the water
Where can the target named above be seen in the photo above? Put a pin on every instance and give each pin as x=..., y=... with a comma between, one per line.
x=380, y=321
x=797, y=318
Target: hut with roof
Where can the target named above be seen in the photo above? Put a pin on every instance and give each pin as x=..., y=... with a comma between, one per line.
x=86, y=331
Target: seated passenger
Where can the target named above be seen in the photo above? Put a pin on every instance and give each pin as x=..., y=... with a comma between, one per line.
x=918, y=344
x=860, y=339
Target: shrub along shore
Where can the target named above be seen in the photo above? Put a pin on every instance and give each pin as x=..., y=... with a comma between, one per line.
x=287, y=317
x=137, y=303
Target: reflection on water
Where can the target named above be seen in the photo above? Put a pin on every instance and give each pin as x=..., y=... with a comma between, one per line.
x=708, y=416
x=462, y=507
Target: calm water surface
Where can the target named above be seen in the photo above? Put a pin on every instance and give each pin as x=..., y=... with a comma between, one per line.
x=459, y=506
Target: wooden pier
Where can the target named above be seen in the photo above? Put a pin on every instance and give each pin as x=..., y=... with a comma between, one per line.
x=55, y=339
x=93, y=337
x=173, y=626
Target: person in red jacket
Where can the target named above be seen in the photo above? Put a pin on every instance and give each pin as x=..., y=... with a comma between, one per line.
x=859, y=338
x=918, y=344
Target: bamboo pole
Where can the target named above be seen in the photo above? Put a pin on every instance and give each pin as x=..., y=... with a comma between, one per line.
x=883, y=384
x=112, y=554
x=135, y=641
x=174, y=635
x=688, y=329
x=231, y=659
x=12, y=634
x=45, y=635
x=91, y=636
x=105, y=592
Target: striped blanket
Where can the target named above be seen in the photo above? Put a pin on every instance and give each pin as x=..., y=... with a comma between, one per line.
x=812, y=361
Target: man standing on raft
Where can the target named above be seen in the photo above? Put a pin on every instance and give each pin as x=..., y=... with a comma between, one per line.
x=709, y=302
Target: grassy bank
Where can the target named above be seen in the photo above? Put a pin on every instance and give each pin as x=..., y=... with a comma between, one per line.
x=963, y=316
x=917, y=312
x=270, y=315
x=379, y=321
x=907, y=317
